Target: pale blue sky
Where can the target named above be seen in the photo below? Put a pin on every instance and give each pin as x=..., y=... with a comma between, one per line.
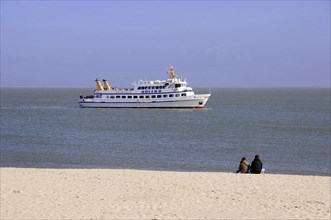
x=211, y=43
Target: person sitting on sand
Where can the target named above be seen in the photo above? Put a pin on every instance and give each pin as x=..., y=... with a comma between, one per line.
x=256, y=166
x=243, y=166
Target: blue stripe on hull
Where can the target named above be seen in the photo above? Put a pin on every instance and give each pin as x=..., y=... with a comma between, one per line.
x=197, y=103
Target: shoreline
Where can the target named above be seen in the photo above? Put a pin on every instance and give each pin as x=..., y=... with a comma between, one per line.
x=33, y=193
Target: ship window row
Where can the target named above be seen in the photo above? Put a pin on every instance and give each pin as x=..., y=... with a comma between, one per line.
x=144, y=96
x=151, y=87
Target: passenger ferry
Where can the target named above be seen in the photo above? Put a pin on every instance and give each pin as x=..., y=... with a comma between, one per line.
x=171, y=93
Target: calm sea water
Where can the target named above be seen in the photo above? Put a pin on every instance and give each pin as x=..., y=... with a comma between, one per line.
x=288, y=128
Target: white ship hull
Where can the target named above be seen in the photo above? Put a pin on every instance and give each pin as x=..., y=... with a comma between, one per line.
x=198, y=101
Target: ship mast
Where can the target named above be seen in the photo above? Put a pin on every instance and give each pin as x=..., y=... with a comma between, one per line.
x=171, y=72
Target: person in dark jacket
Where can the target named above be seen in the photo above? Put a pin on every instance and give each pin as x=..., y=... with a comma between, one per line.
x=256, y=166
x=243, y=166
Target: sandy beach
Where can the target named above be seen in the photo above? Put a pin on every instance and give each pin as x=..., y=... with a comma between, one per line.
x=135, y=194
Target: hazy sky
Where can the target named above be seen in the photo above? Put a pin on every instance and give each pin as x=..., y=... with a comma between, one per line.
x=211, y=43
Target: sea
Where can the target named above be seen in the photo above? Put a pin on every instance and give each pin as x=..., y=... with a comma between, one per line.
x=289, y=128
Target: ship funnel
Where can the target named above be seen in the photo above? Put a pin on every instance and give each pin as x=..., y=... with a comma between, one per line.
x=106, y=85
x=99, y=86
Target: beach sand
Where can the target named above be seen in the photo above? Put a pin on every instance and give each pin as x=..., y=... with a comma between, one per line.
x=134, y=194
